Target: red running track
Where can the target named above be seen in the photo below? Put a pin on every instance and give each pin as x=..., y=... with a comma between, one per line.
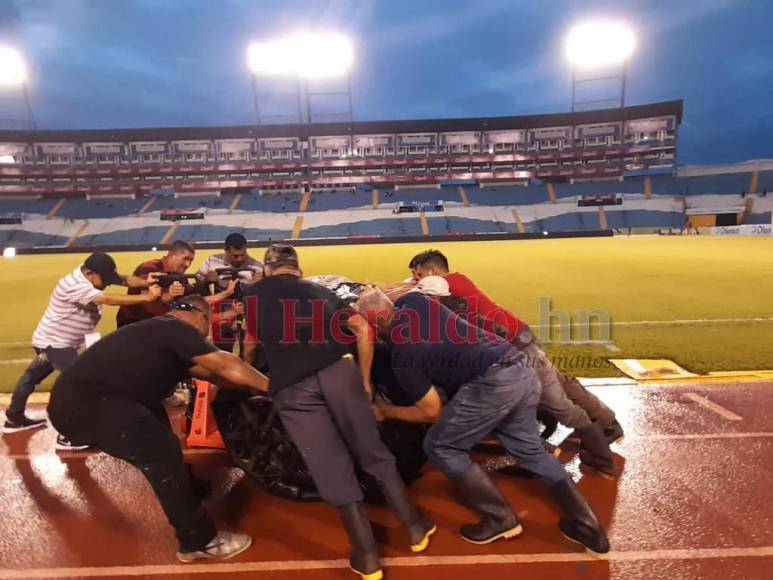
x=695, y=500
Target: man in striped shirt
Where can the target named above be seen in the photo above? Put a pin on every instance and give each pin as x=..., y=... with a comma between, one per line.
x=74, y=310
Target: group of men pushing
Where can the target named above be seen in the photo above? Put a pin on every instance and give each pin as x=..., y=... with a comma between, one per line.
x=464, y=364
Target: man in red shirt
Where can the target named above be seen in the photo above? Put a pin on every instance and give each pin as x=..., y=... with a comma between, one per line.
x=176, y=261
x=564, y=397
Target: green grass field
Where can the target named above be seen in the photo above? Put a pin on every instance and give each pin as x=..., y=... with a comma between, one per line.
x=670, y=280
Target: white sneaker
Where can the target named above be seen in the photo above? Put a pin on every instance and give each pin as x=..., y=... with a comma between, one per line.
x=223, y=546
x=64, y=444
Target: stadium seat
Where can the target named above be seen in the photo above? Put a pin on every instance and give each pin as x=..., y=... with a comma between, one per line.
x=100, y=208
x=507, y=195
x=327, y=200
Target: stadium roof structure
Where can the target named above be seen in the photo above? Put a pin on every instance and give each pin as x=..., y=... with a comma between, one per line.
x=362, y=127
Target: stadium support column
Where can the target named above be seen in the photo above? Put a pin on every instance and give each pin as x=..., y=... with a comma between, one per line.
x=169, y=233
x=603, y=224
x=424, y=223
x=551, y=193
x=375, y=198
x=76, y=234
x=235, y=203
x=754, y=181
x=297, y=227
x=648, y=187
x=146, y=207
x=518, y=223
x=463, y=196
x=56, y=208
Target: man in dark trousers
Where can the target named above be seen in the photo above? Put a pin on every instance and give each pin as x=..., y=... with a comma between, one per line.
x=111, y=398
x=490, y=389
x=563, y=397
x=323, y=400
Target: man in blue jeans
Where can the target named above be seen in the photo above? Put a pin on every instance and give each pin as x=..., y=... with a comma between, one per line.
x=490, y=389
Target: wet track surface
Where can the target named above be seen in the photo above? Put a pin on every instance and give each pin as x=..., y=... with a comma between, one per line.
x=695, y=500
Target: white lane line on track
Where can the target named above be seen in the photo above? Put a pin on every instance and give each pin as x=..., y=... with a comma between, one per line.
x=398, y=562
x=678, y=321
x=712, y=406
x=85, y=454
x=16, y=361
x=628, y=435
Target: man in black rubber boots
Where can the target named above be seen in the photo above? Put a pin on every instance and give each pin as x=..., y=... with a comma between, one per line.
x=324, y=401
x=490, y=389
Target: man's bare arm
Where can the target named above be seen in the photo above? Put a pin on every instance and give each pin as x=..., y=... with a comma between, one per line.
x=153, y=294
x=229, y=371
x=425, y=410
x=365, y=339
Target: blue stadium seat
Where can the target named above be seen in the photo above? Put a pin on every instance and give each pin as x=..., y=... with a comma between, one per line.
x=23, y=238
x=327, y=200
x=270, y=202
x=213, y=233
x=640, y=218
x=765, y=182
x=763, y=218
x=729, y=183
x=100, y=208
x=507, y=194
x=385, y=227
x=415, y=195
x=663, y=185
x=138, y=236
x=441, y=226
x=32, y=206
x=192, y=201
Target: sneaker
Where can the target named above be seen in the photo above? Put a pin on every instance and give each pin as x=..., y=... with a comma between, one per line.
x=22, y=424
x=605, y=468
x=224, y=545
x=64, y=444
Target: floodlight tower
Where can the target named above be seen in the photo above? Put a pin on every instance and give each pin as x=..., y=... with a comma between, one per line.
x=304, y=56
x=599, y=51
x=13, y=75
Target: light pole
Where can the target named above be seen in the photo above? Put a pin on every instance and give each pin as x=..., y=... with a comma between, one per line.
x=13, y=75
x=599, y=51
x=303, y=56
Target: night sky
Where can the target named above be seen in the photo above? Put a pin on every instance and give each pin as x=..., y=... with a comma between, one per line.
x=140, y=63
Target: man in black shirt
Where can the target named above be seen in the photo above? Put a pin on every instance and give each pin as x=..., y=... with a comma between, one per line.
x=111, y=399
x=323, y=401
x=490, y=389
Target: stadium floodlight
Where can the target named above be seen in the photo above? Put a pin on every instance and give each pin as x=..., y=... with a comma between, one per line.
x=308, y=55
x=12, y=69
x=9, y=252
x=599, y=43
x=5, y=159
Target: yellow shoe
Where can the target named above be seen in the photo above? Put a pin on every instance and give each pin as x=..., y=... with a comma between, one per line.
x=424, y=543
x=377, y=575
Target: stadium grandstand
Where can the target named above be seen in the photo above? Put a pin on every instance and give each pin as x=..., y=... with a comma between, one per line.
x=571, y=172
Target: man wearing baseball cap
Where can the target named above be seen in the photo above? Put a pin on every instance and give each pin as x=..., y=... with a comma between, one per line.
x=74, y=310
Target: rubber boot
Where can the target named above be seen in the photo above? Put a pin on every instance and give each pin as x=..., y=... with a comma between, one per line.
x=596, y=453
x=614, y=433
x=419, y=527
x=497, y=519
x=579, y=523
x=364, y=557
